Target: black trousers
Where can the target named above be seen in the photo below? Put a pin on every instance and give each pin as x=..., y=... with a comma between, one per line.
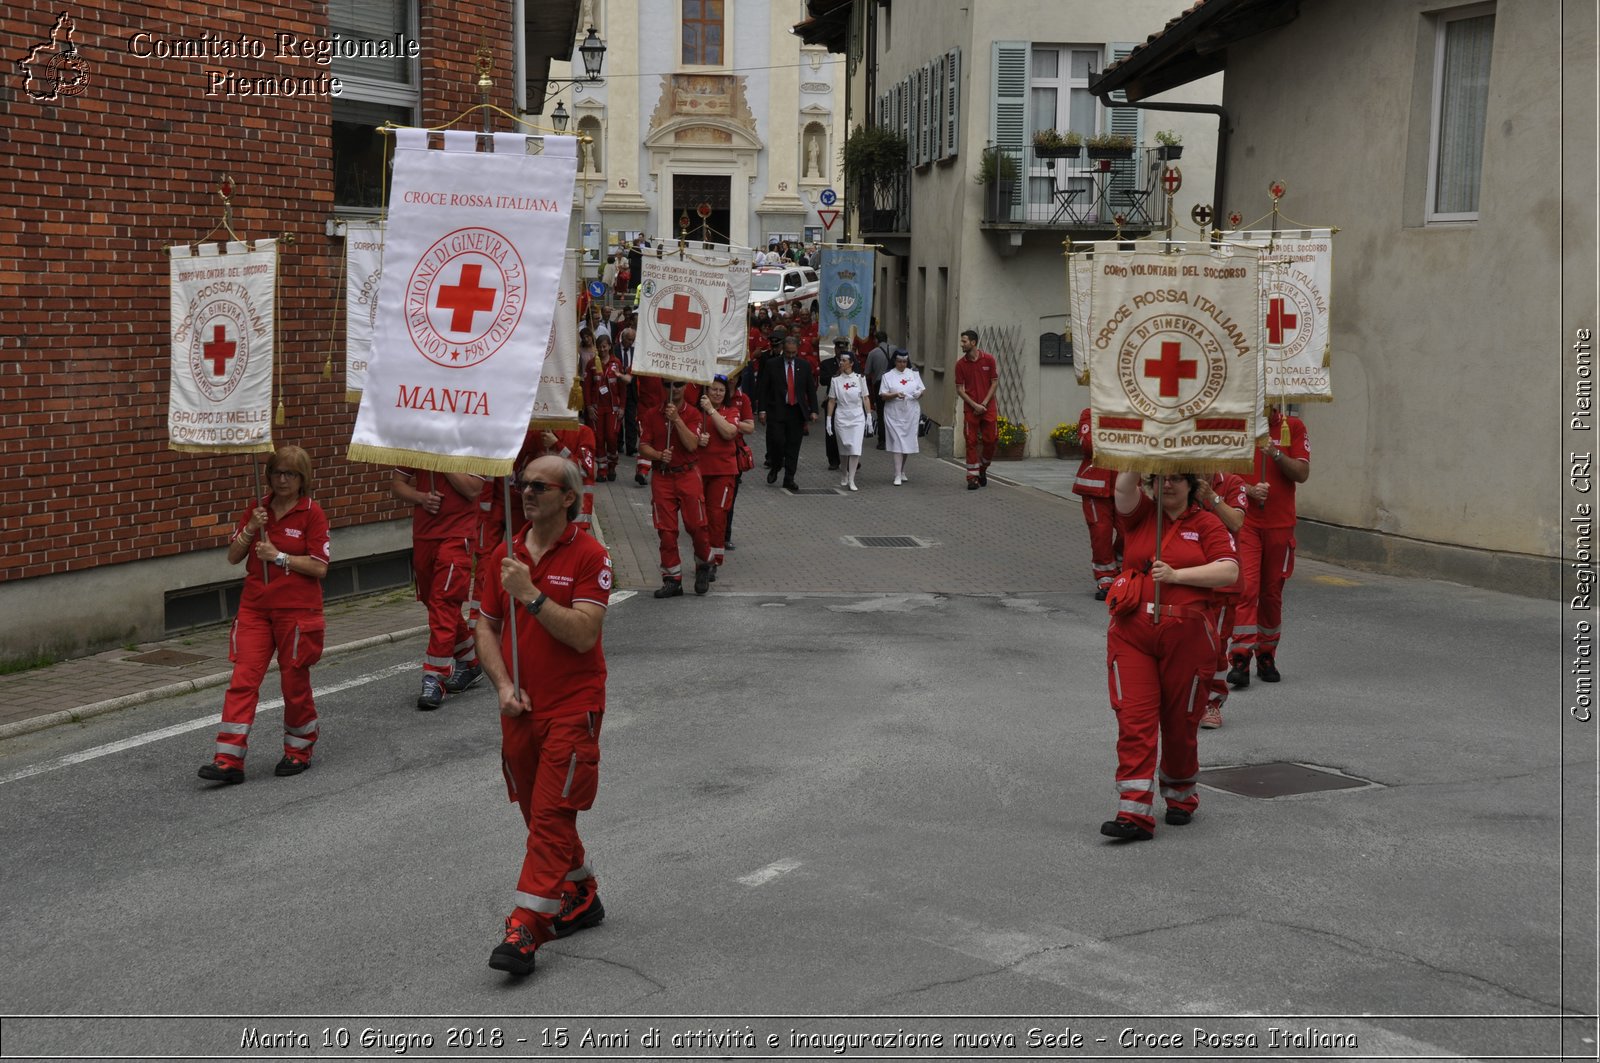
x=785, y=431
x=630, y=421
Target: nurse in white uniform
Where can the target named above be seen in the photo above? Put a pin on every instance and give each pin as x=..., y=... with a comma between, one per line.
x=849, y=413
x=899, y=391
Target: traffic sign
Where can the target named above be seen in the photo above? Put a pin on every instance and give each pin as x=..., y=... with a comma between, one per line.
x=828, y=218
x=828, y=197
x=597, y=289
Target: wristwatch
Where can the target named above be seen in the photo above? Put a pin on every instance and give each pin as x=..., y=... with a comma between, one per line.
x=282, y=560
x=534, y=606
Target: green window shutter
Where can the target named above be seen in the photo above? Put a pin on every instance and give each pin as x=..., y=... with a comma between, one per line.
x=952, y=129
x=1128, y=122
x=1008, y=116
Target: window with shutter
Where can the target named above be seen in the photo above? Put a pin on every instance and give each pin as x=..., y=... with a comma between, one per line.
x=936, y=115
x=1009, y=110
x=952, y=129
x=374, y=91
x=1128, y=122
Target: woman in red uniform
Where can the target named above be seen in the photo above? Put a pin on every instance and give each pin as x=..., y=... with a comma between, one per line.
x=602, y=394
x=285, y=537
x=727, y=417
x=1159, y=659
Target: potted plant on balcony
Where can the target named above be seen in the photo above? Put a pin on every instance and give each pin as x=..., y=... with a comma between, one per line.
x=1011, y=440
x=873, y=160
x=997, y=172
x=1171, y=145
x=1054, y=144
x=1110, y=146
x=1065, y=438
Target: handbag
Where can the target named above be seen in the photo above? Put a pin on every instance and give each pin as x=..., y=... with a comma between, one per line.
x=744, y=459
x=924, y=425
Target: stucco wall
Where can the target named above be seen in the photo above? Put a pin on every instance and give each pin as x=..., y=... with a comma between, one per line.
x=1447, y=344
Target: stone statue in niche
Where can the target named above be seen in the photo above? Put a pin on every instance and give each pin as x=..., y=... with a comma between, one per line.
x=814, y=156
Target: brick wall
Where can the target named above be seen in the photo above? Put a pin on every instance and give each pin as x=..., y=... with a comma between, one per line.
x=95, y=186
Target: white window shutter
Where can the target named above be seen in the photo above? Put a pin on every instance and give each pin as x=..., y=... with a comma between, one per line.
x=952, y=129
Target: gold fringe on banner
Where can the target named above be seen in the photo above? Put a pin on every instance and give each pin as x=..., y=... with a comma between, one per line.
x=352, y=396
x=249, y=448
x=399, y=457
x=1155, y=463
x=553, y=424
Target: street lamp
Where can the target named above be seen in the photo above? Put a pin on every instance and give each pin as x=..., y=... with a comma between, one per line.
x=558, y=117
x=593, y=51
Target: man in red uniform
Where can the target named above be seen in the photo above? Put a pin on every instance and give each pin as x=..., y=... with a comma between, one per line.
x=603, y=400
x=651, y=396
x=444, y=519
x=552, y=707
x=669, y=438
x=1094, y=486
x=977, y=380
x=1224, y=495
x=1266, y=549
x=726, y=416
x=576, y=444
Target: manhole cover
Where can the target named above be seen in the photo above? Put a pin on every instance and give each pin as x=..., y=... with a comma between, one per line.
x=171, y=658
x=898, y=541
x=814, y=491
x=1279, y=779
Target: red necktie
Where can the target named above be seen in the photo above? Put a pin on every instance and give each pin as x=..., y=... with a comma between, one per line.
x=790, y=399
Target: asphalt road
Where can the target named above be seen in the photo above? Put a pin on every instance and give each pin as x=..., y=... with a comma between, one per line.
x=845, y=805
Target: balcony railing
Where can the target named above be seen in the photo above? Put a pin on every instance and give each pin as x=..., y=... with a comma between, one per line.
x=1076, y=192
x=887, y=210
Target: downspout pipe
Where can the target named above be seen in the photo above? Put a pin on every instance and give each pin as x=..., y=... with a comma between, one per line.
x=1224, y=128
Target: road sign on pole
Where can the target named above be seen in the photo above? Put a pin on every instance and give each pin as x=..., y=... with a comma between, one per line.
x=828, y=218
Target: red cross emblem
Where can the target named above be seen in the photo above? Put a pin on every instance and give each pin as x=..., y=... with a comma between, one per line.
x=678, y=318
x=1280, y=321
x=1170, y=368
x=1235, y=219
x=219, y=350
x=465, y=299
x=1172, y=180
x=1277, y=190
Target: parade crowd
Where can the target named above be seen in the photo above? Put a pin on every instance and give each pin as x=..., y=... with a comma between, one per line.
x=1191, y=565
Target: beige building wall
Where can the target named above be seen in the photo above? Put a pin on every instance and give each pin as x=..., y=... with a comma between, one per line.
x=1448, y=343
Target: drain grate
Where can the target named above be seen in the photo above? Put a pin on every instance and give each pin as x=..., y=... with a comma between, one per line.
x=1279, y=779
x=895, y=541
x=171, y=658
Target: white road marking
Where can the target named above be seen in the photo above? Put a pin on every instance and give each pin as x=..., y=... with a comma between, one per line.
x=622, y=596
x=191, y=725
x=768, y=873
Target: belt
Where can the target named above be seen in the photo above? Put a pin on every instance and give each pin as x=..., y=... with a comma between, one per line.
x=661, y=466
x=1180, y=611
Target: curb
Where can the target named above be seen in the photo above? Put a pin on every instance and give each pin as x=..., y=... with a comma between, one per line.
x=187, y=686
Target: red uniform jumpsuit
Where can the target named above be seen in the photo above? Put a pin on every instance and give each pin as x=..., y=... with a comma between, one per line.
x=601, y=390
x=719, y=472
x=1230, y=489
x=490, y=533
x=652, y=396
x=676, y=489
x=1266, y=549
x=1159, y=674
x=550, y=755
x=279, y=611
x=576, y=444
x=977, y=378
x=1096, y=486
x=441, y=561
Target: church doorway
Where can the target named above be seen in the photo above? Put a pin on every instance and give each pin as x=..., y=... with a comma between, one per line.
x=691, y=191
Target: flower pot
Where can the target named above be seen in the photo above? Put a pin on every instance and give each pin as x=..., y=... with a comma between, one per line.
x=1071, y=151
x=999, y=196
x=1011, y=451
x=1170, y=151
x=1110, y=153
x=1067, y=451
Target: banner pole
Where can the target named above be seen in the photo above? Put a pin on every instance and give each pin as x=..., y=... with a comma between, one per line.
x=1155, y=615
x=516, y=678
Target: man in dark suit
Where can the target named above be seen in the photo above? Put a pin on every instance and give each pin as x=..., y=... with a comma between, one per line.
x=629, y=435
x=825, y=374
x=788, y=403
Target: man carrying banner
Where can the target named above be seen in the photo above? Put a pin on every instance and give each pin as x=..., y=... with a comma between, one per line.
x=443, y=521
x=551, y=710
x=1094, y=485
x=669, y=437
x=1266, y=549
x=977, y=380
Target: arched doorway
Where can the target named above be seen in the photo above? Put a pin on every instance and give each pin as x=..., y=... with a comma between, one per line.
x=689, y=191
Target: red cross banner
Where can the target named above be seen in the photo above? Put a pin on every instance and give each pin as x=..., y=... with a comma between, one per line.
x=471, y=271
x=733, y=339
x=1175, y=342
x=223, y=333
x=363, y=268
x=1296, y=280
x=681, y=316
x=552, y=407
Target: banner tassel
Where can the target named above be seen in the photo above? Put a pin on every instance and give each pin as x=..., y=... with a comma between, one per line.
x=278, y=420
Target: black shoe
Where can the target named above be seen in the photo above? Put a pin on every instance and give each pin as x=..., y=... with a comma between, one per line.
x=1267, y=668
x=983, y=477
x=514, y=955
x=728, y=545
x=672, y=588
x=432, y=695
x=772, y=476
x=639, y=479
x=833, y=468
x=1239, y=674
x=611, y=476
x=790, y=485
x=1100, y=595
x=215, y=772
x=713, y=568
x=463, y=677
x=1125, y=830
x=290, y=766
x=1177, y=817
x=972, y=485
x=580, y=910
x=702, y=579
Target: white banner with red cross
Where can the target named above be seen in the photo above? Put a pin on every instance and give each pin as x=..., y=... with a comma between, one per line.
x=555, y=406
x=681, y=320
x=471, y=270
x=734, y=339
x=363, y=269
x=223, y=332
x=1296, y=282
x=1176, y=355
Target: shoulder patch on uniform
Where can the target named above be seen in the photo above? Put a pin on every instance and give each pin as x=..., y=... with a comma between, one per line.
x=605, y=579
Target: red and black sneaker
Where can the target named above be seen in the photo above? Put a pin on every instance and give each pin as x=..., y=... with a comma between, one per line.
x=580, y=909
x=514, y=955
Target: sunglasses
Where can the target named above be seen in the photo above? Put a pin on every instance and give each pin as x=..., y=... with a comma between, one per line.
x=282, y=472
x=538, y=487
